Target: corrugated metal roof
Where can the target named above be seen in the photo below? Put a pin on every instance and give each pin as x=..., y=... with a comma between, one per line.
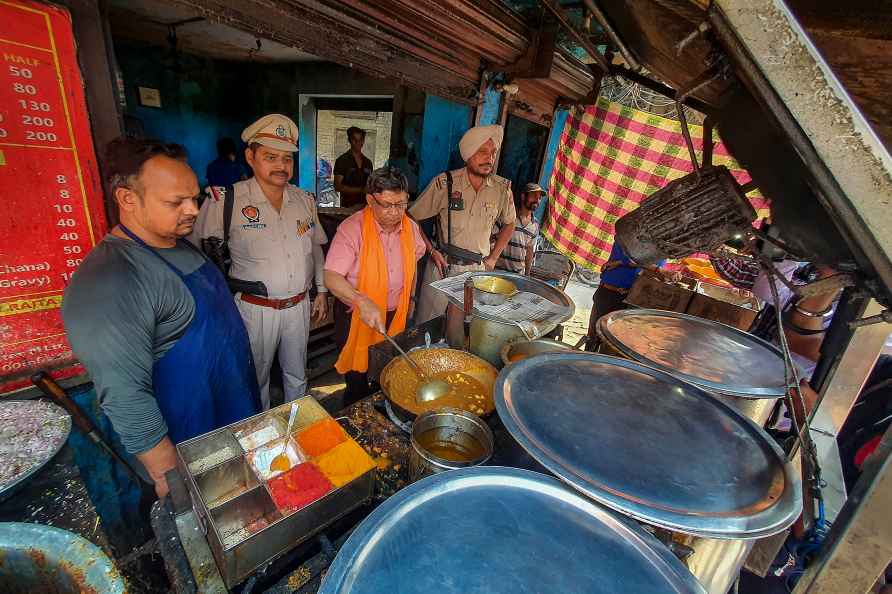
x=440, y=46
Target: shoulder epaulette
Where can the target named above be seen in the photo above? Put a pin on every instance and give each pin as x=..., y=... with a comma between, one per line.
x=217, y=193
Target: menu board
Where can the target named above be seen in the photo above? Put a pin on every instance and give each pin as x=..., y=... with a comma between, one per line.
x=50, y=189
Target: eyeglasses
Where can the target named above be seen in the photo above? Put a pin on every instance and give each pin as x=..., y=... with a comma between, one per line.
x=390, y=205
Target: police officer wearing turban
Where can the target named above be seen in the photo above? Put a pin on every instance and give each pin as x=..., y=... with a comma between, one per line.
x=467, y=202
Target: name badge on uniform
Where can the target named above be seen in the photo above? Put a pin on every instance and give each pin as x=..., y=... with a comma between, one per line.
x=456, y=202
x=304, y=226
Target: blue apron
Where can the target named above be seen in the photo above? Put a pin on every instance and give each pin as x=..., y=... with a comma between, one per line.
x=207, y=379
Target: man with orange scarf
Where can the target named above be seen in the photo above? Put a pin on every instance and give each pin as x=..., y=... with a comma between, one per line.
x=370, y=268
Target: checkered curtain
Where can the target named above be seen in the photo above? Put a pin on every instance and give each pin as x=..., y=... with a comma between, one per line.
x=609, y=159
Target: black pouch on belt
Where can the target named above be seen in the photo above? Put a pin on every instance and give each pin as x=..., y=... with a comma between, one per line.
x=217, y=251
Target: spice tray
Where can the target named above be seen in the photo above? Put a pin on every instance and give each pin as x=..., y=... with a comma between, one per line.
x=251, y=514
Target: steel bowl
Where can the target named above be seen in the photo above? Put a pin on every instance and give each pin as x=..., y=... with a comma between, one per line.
x=39, y=558
x=518, y=350
x=493, y=290
x=489, y=332
x=451, y=422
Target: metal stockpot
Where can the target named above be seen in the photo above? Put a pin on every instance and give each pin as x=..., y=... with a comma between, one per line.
x=488, y=333
x=423, y=463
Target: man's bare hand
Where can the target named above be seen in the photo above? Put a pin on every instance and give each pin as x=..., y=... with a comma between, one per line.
x=439, y=261
x=157, y=461
x=370, y=313
x=489, y=262
x=320, y=307
x=161, y=487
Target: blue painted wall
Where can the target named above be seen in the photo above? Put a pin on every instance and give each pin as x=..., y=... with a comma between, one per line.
x=192, y=112
x=204, y=99
x=554, y=141
x=492, y=101
x=306, y=159
x=444, y=124
x=521, y=151
x=407, y=158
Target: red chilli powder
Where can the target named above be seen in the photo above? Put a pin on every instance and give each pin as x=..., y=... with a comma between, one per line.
x=298, y=487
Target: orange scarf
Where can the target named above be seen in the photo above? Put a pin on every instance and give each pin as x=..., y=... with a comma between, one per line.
x=373, y=283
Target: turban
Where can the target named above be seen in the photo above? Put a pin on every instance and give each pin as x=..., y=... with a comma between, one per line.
x=476, y=137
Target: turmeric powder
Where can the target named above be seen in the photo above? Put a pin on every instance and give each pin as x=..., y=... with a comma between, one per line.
x=344, y=462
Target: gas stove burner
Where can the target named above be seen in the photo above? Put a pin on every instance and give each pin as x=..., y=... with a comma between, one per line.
x=406, y=427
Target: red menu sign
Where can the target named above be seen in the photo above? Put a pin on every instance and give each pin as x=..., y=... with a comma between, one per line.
x=50, y=189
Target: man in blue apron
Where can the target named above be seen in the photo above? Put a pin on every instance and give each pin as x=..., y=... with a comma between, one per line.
x=153, y=320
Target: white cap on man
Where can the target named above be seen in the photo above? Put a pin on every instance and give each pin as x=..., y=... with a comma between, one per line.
x=275, y=131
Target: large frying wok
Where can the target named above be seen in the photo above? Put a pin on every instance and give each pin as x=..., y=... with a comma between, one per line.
x=398, y=381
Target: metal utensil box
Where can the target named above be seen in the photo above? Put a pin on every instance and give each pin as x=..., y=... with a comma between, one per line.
x=234, y=507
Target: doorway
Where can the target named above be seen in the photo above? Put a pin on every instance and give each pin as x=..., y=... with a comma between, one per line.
x=324, y=120
x=332, y=142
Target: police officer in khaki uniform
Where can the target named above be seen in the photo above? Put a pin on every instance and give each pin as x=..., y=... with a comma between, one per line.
x=479, y=199
x=274, y=238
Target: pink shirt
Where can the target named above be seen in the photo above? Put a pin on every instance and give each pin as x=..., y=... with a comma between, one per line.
x=343, y=254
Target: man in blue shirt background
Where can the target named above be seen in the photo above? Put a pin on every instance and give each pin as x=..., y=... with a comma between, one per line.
x=617, y=277
x=224, y=170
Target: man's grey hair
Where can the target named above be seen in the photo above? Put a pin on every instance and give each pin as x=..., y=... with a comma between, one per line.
x=386, y=179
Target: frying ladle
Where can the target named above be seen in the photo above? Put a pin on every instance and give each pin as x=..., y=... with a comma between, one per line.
x=430, y=389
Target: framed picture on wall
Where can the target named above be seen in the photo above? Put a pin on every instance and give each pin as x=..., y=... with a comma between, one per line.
x=149, y=97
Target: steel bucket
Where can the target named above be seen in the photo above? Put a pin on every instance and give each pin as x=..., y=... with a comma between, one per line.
x=489, y=334
x=456, y=425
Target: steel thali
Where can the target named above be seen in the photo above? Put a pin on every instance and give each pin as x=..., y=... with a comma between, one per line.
x=648, y=445
x=32, y=432
x=714, y=356
x=501, y=530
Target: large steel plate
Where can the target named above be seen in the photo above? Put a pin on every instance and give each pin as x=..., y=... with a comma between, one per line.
x=500, y=530
x=648, y=445
x=714, y=356
x=32, y=432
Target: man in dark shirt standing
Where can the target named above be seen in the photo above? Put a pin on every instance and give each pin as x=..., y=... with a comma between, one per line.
x=224, y=170
x=352, y=169
x=152, y=319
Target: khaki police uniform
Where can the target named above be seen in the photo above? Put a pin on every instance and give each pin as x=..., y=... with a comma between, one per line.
x=276, y=248
x=471, y=227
